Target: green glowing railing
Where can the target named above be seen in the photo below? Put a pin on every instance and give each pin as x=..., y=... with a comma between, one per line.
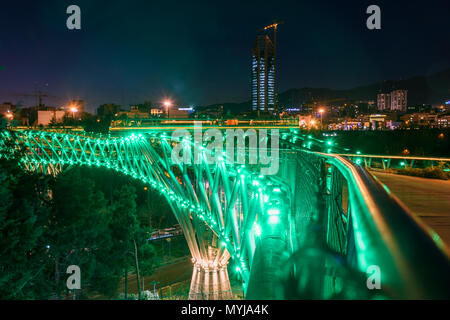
x=350, y=222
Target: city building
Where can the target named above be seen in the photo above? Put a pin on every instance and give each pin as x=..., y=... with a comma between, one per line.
x=417, y=120
x=420, y=108
x=7, y=110
x=134, y=113
x=399, y=100
x=179, y=113
x=376, y=121
x=156, y=112
x=45, y=117
x=263, y=74
x=393, y=125
x=443, y=121
x=7, y=107
x=384, y=101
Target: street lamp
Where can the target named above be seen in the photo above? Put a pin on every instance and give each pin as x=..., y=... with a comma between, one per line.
x=321, y=111
x=73, y=110
x=167, y=104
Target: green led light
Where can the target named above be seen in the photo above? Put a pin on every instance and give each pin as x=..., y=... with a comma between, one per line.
x=257, y=230
x=274, y=219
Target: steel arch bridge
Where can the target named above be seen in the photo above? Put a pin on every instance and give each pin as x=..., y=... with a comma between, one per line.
x=311, y=231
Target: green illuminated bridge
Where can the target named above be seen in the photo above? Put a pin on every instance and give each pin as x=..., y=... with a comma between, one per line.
x=317, y=229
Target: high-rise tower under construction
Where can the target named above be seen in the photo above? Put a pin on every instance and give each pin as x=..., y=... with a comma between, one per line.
x=263, y=74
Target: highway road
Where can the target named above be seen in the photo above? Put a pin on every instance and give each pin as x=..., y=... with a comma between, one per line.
x=177, y=274
x=429, y=199
x=180, y=271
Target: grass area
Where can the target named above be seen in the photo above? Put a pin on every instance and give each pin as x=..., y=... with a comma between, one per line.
x=432, y=173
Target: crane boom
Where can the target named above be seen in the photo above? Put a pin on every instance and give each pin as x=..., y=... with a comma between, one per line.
x=40, y=95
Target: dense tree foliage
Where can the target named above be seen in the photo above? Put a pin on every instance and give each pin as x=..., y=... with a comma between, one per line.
x=83, y=216
x=425, y=142
x=24, y=210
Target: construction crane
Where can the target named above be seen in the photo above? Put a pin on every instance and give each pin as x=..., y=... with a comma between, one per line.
x=40, y=95
x=274, y=26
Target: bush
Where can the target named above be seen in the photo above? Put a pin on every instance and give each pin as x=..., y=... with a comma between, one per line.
x=432, y=173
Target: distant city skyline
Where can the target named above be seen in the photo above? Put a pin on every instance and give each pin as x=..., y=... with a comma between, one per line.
x=200, y=53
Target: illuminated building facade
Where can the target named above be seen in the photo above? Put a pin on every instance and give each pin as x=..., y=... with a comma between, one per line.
x=384, y=101
x=399, y=100
x=263, y=74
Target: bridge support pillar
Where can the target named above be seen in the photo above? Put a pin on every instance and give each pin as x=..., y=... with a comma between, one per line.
x=210, y=283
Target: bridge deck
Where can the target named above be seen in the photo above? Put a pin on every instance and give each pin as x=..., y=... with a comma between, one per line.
x=429, y=199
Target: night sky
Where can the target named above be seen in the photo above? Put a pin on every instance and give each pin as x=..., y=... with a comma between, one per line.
x=199, y=53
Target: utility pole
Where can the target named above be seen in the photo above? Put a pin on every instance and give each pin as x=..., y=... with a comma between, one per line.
x=137, y=269
x=126, y=283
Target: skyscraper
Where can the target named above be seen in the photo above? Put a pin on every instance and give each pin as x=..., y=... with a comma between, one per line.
x=263, y=74
x=384, y=101
x=399, y=100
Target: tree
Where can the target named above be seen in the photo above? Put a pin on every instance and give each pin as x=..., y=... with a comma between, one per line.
x=145, y=107
x=50, y=223
x=3, y=121
x=24, y=208
x=92, y=123
x=77, y=231
x=108, y=110
x=130, y=246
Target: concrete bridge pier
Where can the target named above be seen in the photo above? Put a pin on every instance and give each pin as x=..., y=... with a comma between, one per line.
x=210, y=283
